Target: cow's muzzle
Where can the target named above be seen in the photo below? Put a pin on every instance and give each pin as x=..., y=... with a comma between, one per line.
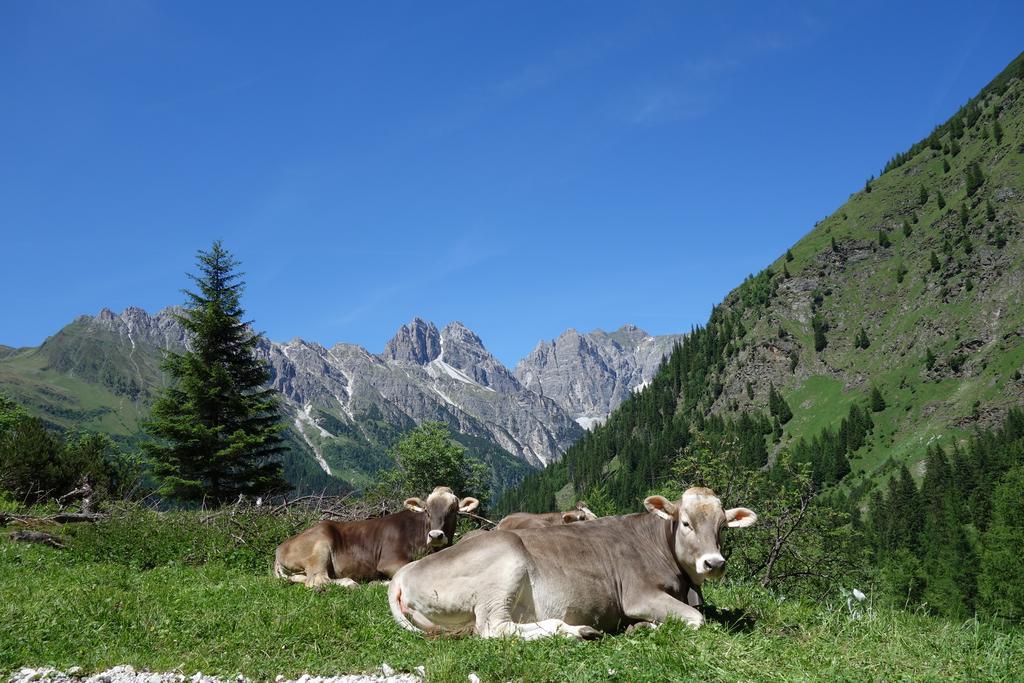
x=712, y=565
x=436, y=538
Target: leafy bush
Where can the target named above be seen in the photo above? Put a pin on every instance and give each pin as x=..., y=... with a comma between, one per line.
x=37, y=465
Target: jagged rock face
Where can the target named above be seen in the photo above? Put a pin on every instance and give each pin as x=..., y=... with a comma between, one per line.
x=135, y=325
x=418, y=342
x=425, y=375
x=589, y=375
x=422, y=374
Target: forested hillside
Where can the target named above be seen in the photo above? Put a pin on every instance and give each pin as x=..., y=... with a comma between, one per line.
x=894, y=325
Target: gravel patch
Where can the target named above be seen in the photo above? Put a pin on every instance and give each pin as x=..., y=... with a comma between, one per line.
x=127, y=674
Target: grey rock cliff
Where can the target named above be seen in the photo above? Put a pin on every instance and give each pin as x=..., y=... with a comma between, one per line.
x=590, y=374
x=423, y=373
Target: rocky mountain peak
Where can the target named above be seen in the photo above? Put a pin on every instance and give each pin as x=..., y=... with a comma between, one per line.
x=456, y=332
x=590, y=374
x=417, y=342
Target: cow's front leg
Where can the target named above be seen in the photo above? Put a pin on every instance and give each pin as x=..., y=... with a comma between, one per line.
x=541, y=629
x=657, y=607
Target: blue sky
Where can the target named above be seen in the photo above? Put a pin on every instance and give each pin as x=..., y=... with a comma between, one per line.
x=521, y=167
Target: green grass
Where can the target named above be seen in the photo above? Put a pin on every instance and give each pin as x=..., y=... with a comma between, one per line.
x=61, y=609
x=818, y=403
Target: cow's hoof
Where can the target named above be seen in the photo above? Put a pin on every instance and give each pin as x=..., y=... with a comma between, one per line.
x=589, y=633
x=644, y=625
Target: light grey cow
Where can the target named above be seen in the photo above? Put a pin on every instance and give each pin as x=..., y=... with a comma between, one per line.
x=575, y=580
x=536, y=520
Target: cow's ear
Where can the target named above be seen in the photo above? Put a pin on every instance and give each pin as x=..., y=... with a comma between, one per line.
x=736, y=517
x=571, y=516
x=661, y=506
x=468, y=504
x=414, y=504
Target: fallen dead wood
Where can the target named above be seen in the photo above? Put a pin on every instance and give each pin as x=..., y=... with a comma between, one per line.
x=71, y=517
x=59, y=518
x=36, y=537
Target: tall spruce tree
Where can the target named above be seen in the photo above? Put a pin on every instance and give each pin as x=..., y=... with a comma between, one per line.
x=877, y=401
x=217, y=428
x=1001, y=577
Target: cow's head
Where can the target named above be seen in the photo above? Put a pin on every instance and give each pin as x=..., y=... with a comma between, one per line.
x=442, y=509
x=581, y=514
x=699, y=520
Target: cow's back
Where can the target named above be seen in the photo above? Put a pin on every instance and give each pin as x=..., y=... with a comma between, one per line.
x=529, y=520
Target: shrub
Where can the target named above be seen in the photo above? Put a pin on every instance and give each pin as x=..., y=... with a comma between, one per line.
x=37, y=465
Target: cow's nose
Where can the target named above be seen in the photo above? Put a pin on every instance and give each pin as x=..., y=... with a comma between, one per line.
x=435, y=537
x=714, y=563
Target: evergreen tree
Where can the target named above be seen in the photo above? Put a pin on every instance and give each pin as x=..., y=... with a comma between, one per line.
x=861, y=341
x=1001, y=576
x=907, y=230
x=835, y=247
x=785, y=272
x=777, y=406
x=973, y=178
x=964, y=215
x=820, y=327
x=929, y=358
x=789, y=255
x=954, y=147
x=940, y=199
x=997, y=237
x=877, y=401
x=997, y=132
x=901, y=271
x=867, y=184
x=922, y=196
x=949, y=563
x=934, y=262
x=883, y=239
x=945, y=166
x=990, y=211
x=218, y=427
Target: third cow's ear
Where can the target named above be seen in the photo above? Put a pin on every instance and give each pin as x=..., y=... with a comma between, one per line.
x=661, y=506
x=468, y=504
x=414, y=504
x=572, y=516
x=736, y=517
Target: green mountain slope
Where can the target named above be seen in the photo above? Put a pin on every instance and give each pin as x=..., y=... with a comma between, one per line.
x=913, y=287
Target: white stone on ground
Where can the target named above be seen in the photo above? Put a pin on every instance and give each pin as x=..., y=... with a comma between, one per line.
x=127, y=674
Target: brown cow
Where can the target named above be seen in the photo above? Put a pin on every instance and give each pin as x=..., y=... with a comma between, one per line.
x=343, y=553
x=575, y=580
x=530, y=520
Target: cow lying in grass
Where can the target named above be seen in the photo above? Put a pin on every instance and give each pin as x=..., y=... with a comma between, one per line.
x=576, y=580
x=344, y=553
x=530, y=520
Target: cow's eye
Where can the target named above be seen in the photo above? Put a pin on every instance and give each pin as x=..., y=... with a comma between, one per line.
x=686, y=525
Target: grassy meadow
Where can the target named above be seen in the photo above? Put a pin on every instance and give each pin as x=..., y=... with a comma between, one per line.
x=172, y=592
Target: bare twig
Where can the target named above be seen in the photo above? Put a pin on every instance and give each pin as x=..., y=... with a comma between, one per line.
x=479, y=518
